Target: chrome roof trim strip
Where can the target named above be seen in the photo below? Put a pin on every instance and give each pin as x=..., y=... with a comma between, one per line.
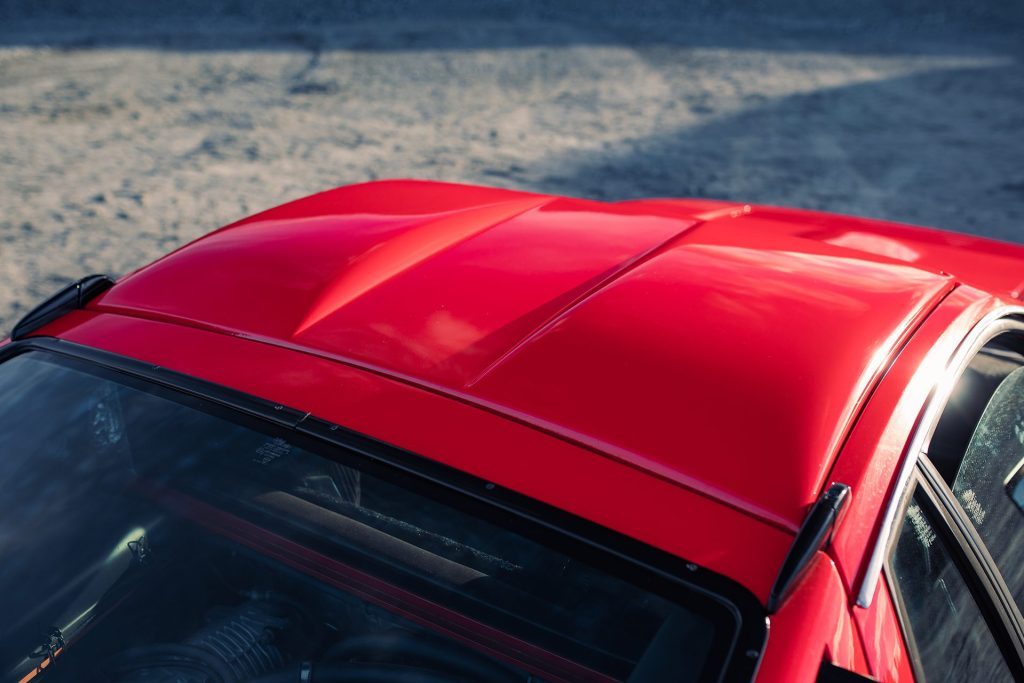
x=995, y=323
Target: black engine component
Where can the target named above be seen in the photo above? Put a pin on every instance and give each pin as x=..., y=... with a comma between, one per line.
x=240, y=644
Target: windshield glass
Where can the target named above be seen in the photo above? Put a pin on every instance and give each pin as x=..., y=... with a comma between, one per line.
x=150, y=536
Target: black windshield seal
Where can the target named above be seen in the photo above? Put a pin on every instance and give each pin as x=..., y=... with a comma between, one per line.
x=660, y=572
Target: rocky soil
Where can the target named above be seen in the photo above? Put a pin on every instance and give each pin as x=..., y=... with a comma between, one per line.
x=123, y=135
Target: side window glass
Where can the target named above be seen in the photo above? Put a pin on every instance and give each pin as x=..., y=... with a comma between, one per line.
x=989, y=483
x=947, y=628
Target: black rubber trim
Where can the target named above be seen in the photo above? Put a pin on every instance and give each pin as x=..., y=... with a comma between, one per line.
x=621, y=555
x=76, y=295
x=815, y=533
x=830, y=673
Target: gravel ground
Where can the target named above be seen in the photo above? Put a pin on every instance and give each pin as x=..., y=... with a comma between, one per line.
x=125, y=135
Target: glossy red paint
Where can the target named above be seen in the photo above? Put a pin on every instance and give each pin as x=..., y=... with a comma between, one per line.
x=878, y=444
x=713, y=358
x=813, y=626
x=618, y=327
x=709, y=366
x=435, y=295
x=456, y=433
x=982, y=263
x=986, y=264
x=884, y=647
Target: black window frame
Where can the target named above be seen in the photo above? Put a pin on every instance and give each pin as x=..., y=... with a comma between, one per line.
x=664, y=574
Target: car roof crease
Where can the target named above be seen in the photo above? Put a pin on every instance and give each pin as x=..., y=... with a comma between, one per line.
x=388, y=259
x=420, y=284
x=624, y=269
x=601, y=448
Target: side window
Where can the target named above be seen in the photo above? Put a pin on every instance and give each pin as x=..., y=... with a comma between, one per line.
x=989, y=483
x=985, y=472
x=946, y=626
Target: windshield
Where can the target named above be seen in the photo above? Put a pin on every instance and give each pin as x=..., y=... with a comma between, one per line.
x=149, y=536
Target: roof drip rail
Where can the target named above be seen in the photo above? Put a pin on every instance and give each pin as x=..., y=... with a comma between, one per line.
x=814, y=534
x=73, y=297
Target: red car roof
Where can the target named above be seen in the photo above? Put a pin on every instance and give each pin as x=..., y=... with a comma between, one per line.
x=719, y=348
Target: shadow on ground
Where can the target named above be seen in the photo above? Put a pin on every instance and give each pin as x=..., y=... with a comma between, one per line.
x=127, y=128
x=878, y=26
x=940, y=148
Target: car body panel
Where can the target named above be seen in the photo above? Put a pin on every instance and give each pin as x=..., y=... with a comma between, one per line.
x=462, y=435
x=438, y=296
x=689, y=373
x=701, y=378
x=983, y=263
x=885, y=650
x=813, y=626
x=620, y=327
x=869, y=463
x=878, y=444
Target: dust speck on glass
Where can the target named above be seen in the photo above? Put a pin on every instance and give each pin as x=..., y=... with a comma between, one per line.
x=989, y=478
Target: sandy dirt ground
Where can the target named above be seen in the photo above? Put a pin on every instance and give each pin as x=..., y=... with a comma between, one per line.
x=122, y=139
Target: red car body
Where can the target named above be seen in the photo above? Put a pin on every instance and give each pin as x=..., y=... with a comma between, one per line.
x=692, y=374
